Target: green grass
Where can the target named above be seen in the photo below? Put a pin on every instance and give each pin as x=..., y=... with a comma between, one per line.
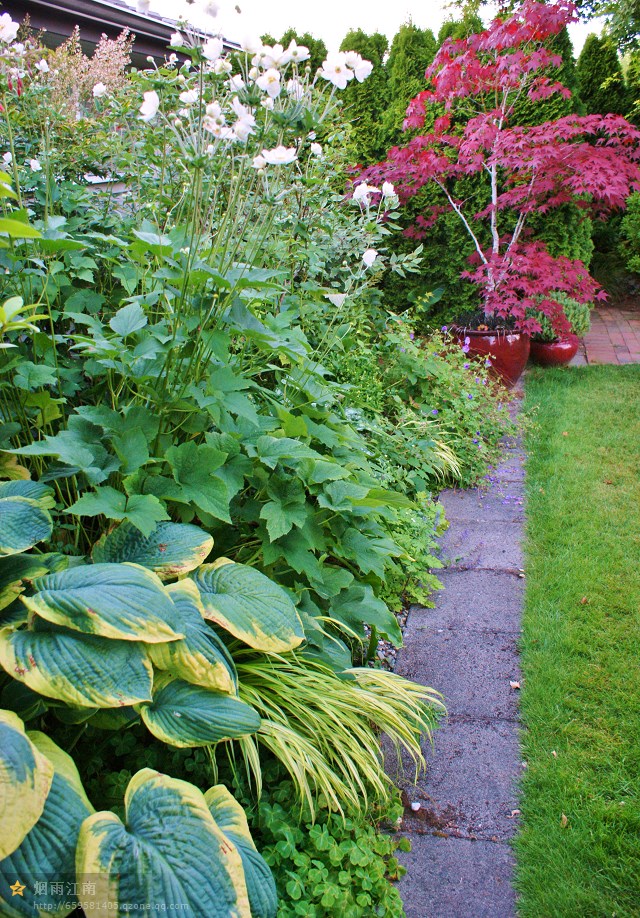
x=579, y=845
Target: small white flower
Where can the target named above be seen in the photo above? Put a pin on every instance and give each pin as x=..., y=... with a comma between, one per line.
x=316, y=149
x=267, y=103
x=150, y=106
x=336, y=299
x=42, y=66
x=273, y=57
x=214, y=113
x=8, y=28
x=183, y=113
x=172, y=59
x=189, y=97
x=212, y=49
x=222, y=66
x=335, y=70
x=388, y=191
x=34, y=165
x=259, y=162
x=295, y=89
x=361, y=68
x=369, y=257
x=236, y=83
x=7, y=158
x=269, y=82
x=280, y=156
x=251, y=43
x=254, y=73
x=363, y=193
x=297, y=53
x=143, y=6
x=243, y=127
x=176, y=40
x=99, y=90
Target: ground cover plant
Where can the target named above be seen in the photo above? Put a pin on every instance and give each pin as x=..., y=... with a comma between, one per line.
x=578, y=842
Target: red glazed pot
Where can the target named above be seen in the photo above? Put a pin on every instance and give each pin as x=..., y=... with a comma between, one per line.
x=555, y=353
x=508, y=351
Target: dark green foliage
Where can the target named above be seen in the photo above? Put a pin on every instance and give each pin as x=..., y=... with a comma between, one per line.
x=600, y=79
x=470, y=24
x=316, y=46
x=365, y=103
x=630, y=234
x=633, y=88
x=412, y=50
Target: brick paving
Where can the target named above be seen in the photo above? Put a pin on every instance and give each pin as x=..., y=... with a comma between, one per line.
x=614, y=336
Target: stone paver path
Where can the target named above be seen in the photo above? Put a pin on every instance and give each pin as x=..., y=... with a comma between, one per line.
x=461, y=863
x=614, y=336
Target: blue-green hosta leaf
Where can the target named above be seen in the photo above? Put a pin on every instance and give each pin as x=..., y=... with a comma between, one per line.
x=200, y=657
x=231, y=819
x=47, y=854
x=25, y=779
x=249, y=605
x=23, y=523
x=34, y=490
x=123, y=601
x=172, y=549
x=170, y=853
x=187, y=715
x=18, y=568
x=77, y=668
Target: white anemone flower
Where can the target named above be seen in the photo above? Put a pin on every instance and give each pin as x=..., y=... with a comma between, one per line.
x=214, y=113
x=268, y=103
x=189, y=97
x=42, y=66
x=388, y=191
x=280, y=156
x=269, y=82
x=34, y=165
x=99, y=90
x=335, y=70
x=369, y=257
x=361, y=68
x=259, y=162
x=7, y=158
x=251, y=43
x=362, y=193
x=222, y=65
x=176, y=40
x=8, y=28
x=297, y=53
x=316, y=149
x=274, y=57
x=243, y=128
x=212, y=49
x=236, y=83
x=150, y=106
x=295, y=89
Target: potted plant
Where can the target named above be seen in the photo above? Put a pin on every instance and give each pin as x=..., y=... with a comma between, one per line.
x=471, y=138
x=553, y=348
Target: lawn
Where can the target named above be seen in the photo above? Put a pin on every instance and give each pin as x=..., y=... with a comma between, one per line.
x=579, y=844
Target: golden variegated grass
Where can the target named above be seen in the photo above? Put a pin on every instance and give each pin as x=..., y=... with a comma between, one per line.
x=325, y=727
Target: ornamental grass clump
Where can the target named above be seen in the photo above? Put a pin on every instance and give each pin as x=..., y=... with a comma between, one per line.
x=466, y=125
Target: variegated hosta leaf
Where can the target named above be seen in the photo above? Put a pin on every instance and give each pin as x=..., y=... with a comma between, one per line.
x=14, y=570
x=23, y=523
x=77, y=668
x=249, y=605
x=33, y=490
x=185, y=715
x=231, y=819
x=172, y=549
x=47, y=854
x=170, y=853
x=200, y=657
x=124, y=601
x=25, y=779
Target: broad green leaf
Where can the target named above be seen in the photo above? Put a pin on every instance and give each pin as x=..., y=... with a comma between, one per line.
x=17, y=230
x=193, y=467
x=77, y=668
x=32, y=490
x=273, y=451
x=47, y=854
x=286, y=509
x=358, y=606
x=132, y=450
x=231, y=820
x=342, y=495
x=25, y=780
x=129, y=319
x=379, y=497
x=124, y=601
x=187, y=715
x=200, y=657
x=30, y=375
x=169, y=853
x=172, y=549
x=370, y=553
x=249, y=605
x=143, y=510
x=23, y=523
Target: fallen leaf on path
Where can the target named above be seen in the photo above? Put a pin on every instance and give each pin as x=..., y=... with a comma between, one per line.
x=514, y=685
x=514, y=813
x=564, y=821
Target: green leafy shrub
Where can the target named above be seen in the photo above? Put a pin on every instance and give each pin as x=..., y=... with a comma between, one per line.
x=577, y=314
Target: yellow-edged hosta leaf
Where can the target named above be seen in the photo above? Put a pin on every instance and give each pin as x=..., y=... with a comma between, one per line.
x=23, y=523
x=200, y=657
x=77, y=668
x=172, y=549
x=232, y=821
x=249, y=605
x=170, y=853
x=186, y=715
x=32, y=490
x=124, y=601
x=47, y=854
x=25, y=779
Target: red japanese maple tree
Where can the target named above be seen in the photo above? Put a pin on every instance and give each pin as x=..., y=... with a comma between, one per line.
x=592, y=161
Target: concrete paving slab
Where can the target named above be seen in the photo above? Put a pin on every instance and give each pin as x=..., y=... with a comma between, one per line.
x=474, y=600
x=470, y=784
x=510, y=469
x=454, y=878
x=476, y=545
x=473, y=671
x=482, y=505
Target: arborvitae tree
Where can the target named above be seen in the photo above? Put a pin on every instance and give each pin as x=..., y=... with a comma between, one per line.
x=365, y=103
x=470, y=24
x=316, y=46
x=633, y=87
x=602, y=88
x=412, y=50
